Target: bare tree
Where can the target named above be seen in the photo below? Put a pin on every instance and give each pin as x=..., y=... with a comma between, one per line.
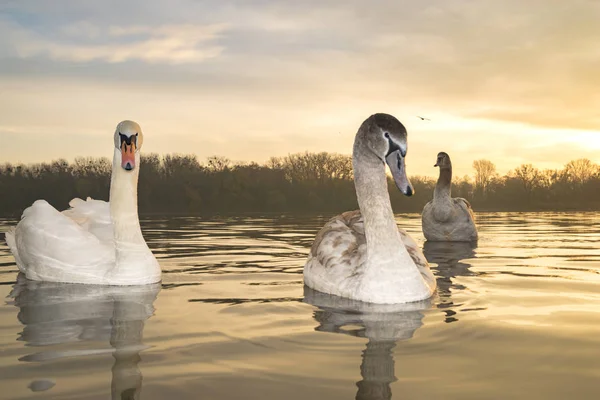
x=274, y=163
x=580, y=171
x=297, y=182
x=485, y=170
x=529, y=177
x=316, y=167
x=218, y=163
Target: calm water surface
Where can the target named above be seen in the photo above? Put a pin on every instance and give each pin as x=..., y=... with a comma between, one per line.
x=517, y=317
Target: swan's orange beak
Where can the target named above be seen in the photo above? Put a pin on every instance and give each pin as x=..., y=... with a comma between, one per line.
x=128, y=155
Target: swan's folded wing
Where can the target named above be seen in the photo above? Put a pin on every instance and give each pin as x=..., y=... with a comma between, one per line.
x=465, y=202
x=465, y=206
x=337, y=252
x=415, y=252
x=427, y=216
x=338, y=243
x=93, y=216
x=51, y=245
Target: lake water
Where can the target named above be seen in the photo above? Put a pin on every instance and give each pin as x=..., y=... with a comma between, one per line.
x=518, y=317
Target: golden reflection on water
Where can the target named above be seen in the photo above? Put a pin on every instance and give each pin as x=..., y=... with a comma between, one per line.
x=515, y=316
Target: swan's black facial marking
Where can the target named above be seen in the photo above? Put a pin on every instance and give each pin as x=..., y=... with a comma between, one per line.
x=128, y=140
x=393, y=146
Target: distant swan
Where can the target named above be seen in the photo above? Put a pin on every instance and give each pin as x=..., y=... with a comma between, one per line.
x=446, y=218
x=362, y=255
x=93, y=242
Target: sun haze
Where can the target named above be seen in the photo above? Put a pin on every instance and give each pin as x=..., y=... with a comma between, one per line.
x=509, y=81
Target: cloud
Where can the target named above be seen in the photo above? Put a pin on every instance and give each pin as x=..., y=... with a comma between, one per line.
x=508, y=81
x=79, y=42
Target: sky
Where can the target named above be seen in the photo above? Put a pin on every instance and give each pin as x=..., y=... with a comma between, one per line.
x=512, y=81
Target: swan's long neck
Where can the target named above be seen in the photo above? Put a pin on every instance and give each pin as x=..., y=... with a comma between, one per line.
x=443, y=187
x=123, y=202
x=381, y=231
x=389, y=272
x=443, y=209
x=131, y=248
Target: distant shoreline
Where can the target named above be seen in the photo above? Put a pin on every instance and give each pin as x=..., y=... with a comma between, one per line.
x=303, y=183
x=322, y=214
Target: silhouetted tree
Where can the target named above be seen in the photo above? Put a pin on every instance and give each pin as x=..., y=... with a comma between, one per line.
x=580, y=171
x=485, y=171
x=302, y=182
x=218, y=163
x=528, y=177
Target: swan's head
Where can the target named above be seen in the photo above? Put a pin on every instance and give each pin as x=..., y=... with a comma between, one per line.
x=128, y=139
x=443, y=161
x=385, y=136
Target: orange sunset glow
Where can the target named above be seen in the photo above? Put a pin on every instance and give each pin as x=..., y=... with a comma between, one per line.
x=511, y=82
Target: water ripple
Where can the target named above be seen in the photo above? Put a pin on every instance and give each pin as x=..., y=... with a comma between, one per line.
x=514, y=315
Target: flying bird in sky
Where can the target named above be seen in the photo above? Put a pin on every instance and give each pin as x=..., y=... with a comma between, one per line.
x=423, y=118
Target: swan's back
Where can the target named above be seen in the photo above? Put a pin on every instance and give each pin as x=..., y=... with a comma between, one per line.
x=457, y=223
x=93, y=216
x=50, y=246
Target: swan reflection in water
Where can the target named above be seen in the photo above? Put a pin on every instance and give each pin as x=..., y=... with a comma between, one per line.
x=448, y=256
x=382, y=324
x=58, y=313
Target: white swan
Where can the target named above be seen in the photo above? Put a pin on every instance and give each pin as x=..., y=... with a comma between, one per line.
x=446, y=218
x=93, y=242
x=362, y=255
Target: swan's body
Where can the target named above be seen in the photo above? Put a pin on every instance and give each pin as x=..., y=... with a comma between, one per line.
x=362, y=255
x=93, y=242
x=445, y=218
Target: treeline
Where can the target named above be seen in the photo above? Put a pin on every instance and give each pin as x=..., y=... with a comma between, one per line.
x=305, y=182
